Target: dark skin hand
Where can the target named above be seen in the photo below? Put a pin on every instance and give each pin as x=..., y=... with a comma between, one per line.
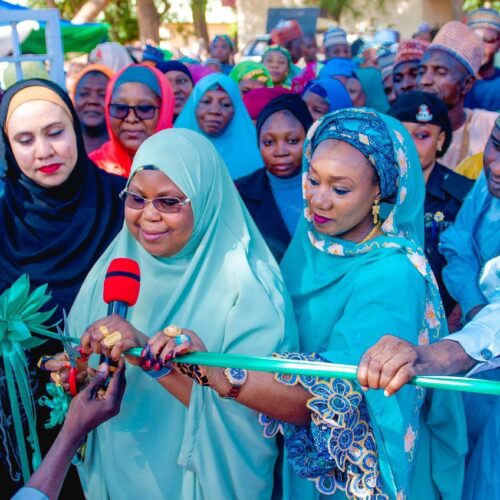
x=91, y=342
x=261, y=392
x=392, y=362
x=92, y=339
x=87, y=410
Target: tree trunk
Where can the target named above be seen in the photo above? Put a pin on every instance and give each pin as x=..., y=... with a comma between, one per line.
x=200, y=23
x=89, y=11
x=51, y=4
x=149, y=21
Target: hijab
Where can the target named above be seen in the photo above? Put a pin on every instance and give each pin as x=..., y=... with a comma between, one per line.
x=166, y=66
x=251, y=70
x=287, y=102
x=293, y=70
x=238, y=142
x=333, y=91
x=255, y=100
x=112, y=156
x=224, y=270
x=346, y=295
x=91, y=68
x=198, y=71
x=111, y=54
x=55, y=234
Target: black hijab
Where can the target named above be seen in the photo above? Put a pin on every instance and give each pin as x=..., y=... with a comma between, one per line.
x=55, y=235
x=289, y=102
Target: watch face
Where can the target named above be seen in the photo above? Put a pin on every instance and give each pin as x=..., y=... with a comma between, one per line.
x=236, y=376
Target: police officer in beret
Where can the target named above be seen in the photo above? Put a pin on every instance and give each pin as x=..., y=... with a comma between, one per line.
x=425, y=117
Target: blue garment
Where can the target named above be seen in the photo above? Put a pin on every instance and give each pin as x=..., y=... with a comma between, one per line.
x=338, y=66
x=333, y=91
x=237, y=144
x=469, y=243
x=348, y=295
x=28, y=493
x=226, y=68
x=485, y=94
x=288, y=196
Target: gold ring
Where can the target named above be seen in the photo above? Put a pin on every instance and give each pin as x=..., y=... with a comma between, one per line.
x=104, y=330
x=172, y=331
x=56, y=378
x=112, y=339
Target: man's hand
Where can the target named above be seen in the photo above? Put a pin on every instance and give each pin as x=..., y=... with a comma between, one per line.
x=90, y=409
x=392, y=362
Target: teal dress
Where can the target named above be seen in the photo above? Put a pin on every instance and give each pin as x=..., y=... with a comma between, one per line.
x=346, y=296
x=224, y=285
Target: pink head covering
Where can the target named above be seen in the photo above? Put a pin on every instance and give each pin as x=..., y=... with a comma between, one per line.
x=112, y=156
x=256, y=100
x=410, y=50
x=460, y=42
x=198, y=71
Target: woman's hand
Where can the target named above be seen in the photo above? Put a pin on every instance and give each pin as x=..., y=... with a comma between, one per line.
x=59, y=366
x=162, y=348
x=113, y=336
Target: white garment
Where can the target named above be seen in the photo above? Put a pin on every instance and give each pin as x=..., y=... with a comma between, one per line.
x=479, y=124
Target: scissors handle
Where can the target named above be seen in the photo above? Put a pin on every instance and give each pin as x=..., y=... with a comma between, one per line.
x=72, y=381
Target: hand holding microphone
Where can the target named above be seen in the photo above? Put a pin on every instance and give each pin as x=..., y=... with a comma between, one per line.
x=113, y=335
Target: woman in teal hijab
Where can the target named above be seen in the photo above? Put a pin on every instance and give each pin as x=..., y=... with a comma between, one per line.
x=354, y=278
x=203, y=264
x=215, y=109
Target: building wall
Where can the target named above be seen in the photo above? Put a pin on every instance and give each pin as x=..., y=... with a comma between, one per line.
x=406, y=15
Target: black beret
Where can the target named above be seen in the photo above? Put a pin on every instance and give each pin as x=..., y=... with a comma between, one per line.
x=424, y=108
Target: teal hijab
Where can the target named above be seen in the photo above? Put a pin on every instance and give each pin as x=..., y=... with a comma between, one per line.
x=237, y=144
x=348, y=295
x=155, y=447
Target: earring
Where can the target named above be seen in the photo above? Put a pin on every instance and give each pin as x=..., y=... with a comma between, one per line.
x=375, y=211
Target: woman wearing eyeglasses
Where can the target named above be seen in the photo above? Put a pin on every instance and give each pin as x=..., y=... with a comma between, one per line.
x=58, y=215
x=203, y=263
x=139, y=102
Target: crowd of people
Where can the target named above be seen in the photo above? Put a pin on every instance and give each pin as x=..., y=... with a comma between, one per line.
x=344, y=210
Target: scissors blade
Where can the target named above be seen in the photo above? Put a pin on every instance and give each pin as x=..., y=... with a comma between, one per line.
x=64, y=334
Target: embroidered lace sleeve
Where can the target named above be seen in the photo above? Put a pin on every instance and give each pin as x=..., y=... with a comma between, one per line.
x=337, y=451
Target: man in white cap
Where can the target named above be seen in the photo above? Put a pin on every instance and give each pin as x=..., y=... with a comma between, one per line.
x=486, y=92
x=335, y=44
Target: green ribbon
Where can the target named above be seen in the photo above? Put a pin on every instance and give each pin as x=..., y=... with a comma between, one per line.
x=20, y=316
x=58, y=401
x=325, y=370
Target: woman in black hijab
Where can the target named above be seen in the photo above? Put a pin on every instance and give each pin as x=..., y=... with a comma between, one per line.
x=273, y=194
x=57, y=216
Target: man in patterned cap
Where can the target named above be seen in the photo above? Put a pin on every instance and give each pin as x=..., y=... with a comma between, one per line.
x=385, y=63
x=406, y=64
x=335, y=44
x=288, y=34
x=448, y=69
x=486, y=92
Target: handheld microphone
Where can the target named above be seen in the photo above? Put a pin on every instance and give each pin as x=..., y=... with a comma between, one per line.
x=121, y=291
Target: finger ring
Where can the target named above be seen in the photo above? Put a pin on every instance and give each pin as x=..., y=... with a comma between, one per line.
x=180, y=339
x=172, y=331
x=42, y=361
x=56, y=378
x=112, y=339
x=104, y=330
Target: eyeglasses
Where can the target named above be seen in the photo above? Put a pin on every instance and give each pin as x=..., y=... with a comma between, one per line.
x=141, y=111
x=165, y=205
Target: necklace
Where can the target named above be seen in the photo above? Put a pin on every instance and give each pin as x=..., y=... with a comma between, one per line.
x=371, y=234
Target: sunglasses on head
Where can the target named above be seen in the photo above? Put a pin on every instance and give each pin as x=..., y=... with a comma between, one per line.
x=166, y=205
x=141, y=111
